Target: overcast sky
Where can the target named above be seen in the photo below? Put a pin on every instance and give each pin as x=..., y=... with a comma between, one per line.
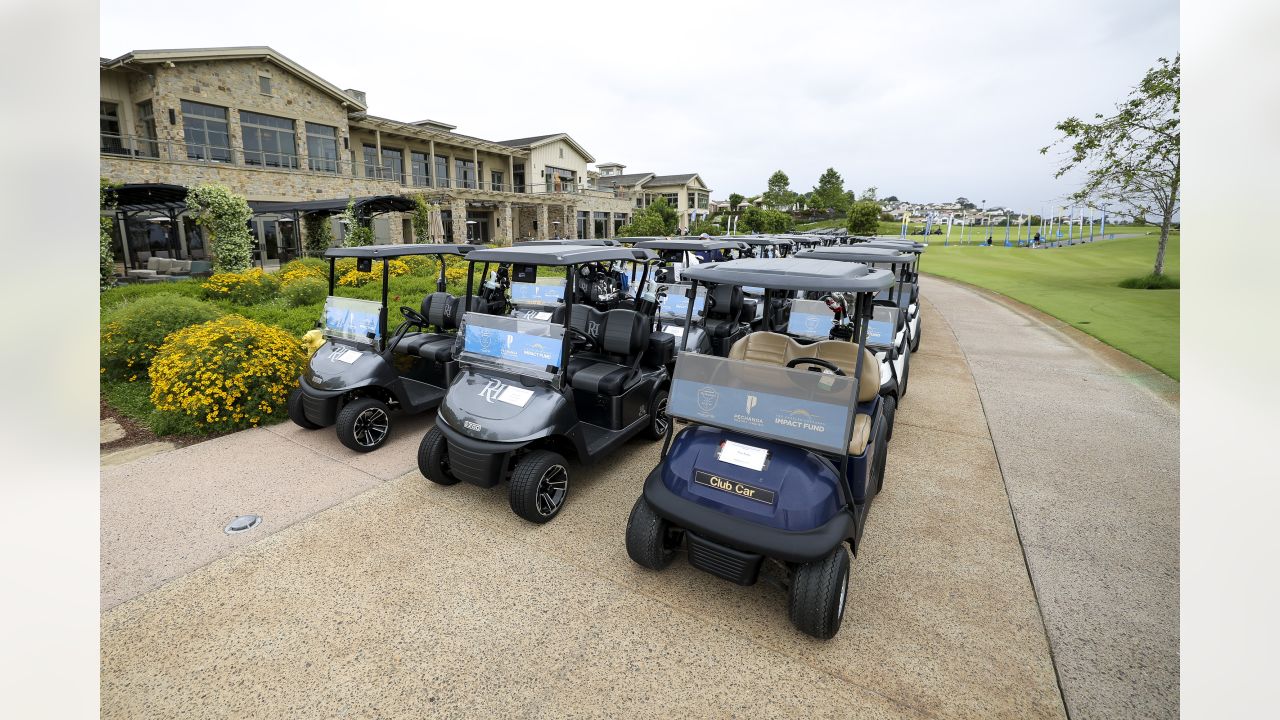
x=926, y=99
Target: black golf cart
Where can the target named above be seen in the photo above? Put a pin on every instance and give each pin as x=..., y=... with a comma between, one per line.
x=532, y=391
x=719, y=316
x=778, y=461
x=360, y=374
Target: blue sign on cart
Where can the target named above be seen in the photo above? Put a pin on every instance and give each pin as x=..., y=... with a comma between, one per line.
x=512, y=346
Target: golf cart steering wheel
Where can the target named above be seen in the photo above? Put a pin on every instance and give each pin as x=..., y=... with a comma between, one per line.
x=413, y=316
x=590, y=340
x=816, y=361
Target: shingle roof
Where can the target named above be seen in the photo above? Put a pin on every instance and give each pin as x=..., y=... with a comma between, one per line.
x=615, y=180
x=525, y=142
x=672, y=179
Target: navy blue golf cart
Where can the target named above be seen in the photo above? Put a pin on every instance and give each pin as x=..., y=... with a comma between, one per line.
x=785, y=447
x=533, y=390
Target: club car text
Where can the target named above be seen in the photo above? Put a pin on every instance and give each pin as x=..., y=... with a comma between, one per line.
x=749, y=492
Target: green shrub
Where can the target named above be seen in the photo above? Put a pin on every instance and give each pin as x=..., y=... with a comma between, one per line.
x=133, y=400
x=242, y=288
x=307, y=291
x=227, y=374
x=309, y=263
x=1150, y=282
x=225, y=217
x=133, y=333
x=118, y=295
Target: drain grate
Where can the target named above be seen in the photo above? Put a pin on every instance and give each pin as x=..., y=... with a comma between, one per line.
x=242, y=523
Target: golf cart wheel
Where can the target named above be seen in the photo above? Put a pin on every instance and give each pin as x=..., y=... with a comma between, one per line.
x=906, y=373
x=915, y=341
x=433, y=458
x=659, y=421
x=890, y=412
x=539, y=486
x=651, y=541
x=816, y=599
x=876, y=482
x=364, y=424
x=296, y=412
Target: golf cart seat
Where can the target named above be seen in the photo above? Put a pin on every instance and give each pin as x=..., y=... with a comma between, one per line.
x=724, y=317
x=619, y=337
x=442, y=311
x=777, y=349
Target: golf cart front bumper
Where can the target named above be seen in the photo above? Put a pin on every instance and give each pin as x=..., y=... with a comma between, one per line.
x=728, y=533
x=320, y=406
x=479, y=462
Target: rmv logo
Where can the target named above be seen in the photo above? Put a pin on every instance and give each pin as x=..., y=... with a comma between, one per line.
x=492, y=389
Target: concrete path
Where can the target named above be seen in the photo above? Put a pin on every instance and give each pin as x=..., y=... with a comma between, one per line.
x=412, y=600
x=1088, y=446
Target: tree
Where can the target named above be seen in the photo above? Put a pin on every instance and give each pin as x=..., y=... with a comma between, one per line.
x=891, y=198
x=735, y=200
x=779, y=194
x=319, y=234
x=751, y=220
x=706, y=226
x=657, y=219
x=106, y=258
x=869, y=194
x=864, y=217
x=422, y=218
x=1133, y=157
x=225, y=216
x=359, y=233
x=829, y=193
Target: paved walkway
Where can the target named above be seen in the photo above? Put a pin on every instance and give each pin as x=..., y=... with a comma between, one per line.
x=1089, y=452
x=404, y=599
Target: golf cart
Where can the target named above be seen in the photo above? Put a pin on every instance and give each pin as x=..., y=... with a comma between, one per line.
x=778, y=461
x=889, y=331
x=912, y=277
x=719, y=316
x=531, y=391
x=359, y=375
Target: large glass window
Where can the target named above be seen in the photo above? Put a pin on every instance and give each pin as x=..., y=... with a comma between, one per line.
x=465, y=173
x=268, y=140
x=517, y=177
x=393, y=164
x=148, y=147
x=371, y=169
x=673, y=199
x=442, y=172
x=495, y=181
x=420, y=168
x=322, y=147
x=206, y=132
x=109, y=127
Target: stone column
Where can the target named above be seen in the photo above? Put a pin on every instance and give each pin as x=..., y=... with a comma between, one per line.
x=511, y=173
x=544, y=222
x=506, y=233
x=431, y=164
x=571, y=220
x=459, y=209
x=608, y=224
x=591, y=224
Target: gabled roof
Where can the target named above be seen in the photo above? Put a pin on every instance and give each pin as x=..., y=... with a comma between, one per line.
x=258, y=52
x=536, y=140
x=673, y=179
x=616, y=180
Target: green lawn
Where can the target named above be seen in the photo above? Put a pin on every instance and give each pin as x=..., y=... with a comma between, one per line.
x=1078, y=285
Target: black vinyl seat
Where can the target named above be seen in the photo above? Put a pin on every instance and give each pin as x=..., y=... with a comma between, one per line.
x=724, y=317
x=618, y=336
x=444, y=312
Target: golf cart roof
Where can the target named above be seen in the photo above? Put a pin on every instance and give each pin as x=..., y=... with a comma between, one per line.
x=531, y=254
x=793, y=274
x=858, y=254
x=384, y=252
x=763, y=240
x=909, y=245
x=594, y=242
x=688, y=243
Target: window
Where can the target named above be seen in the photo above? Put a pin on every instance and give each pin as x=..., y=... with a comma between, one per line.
x=109, y=127
x=147, y=128
x=264, y=84
x=206, y=132
x=561, y=153
x=442, y=171
x=322, y=147
x=393, y=164
x=698, y=200
x=495, y=181
x=466, y=173
x=517, y=176
x=268, y=140
x=419, y=168
x=673, y=199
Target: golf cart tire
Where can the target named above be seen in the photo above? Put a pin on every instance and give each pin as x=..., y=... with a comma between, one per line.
x=906, y=374
x=433, y=458
x=525, y=480
x=653, y=430
x=647, y=537
x=818, y=591
x=346, y=425
x=915, y=341
x=881, y=463
x=298, y=414
x=890, y=413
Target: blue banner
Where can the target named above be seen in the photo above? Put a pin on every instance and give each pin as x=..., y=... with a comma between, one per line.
x=880, y=333
x=813, y=325
x=350, y=318
x=512, y=346
x=676, y=304
x=815, y=424
x=523, y=293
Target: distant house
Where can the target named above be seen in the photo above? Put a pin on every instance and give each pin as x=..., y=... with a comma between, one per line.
x=685, y=192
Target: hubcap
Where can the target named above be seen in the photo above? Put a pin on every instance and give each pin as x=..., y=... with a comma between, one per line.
x=371, y=427
x=660, y=417
x=552, y=488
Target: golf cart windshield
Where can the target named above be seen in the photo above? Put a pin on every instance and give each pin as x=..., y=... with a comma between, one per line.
x=675, y=304
x=795, y=406
x=530, y=347
x=882, y=328
x=352, y=319
x=536, y=300
x=810, y=319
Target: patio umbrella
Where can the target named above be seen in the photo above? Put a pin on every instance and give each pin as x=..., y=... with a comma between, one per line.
x=437, y=227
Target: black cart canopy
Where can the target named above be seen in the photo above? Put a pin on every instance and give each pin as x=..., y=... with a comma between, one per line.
x=793, y=274
x=152, y=197
x=560, y=255
x=365, y=207
x=594, y=242
x=858, y=254
x=387, y=252
x=692, y=244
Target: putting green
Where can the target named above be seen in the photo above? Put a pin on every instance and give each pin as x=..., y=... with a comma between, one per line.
x=1079, y=285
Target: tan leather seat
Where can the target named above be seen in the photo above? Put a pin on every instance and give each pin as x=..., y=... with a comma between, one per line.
x=770, y=348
